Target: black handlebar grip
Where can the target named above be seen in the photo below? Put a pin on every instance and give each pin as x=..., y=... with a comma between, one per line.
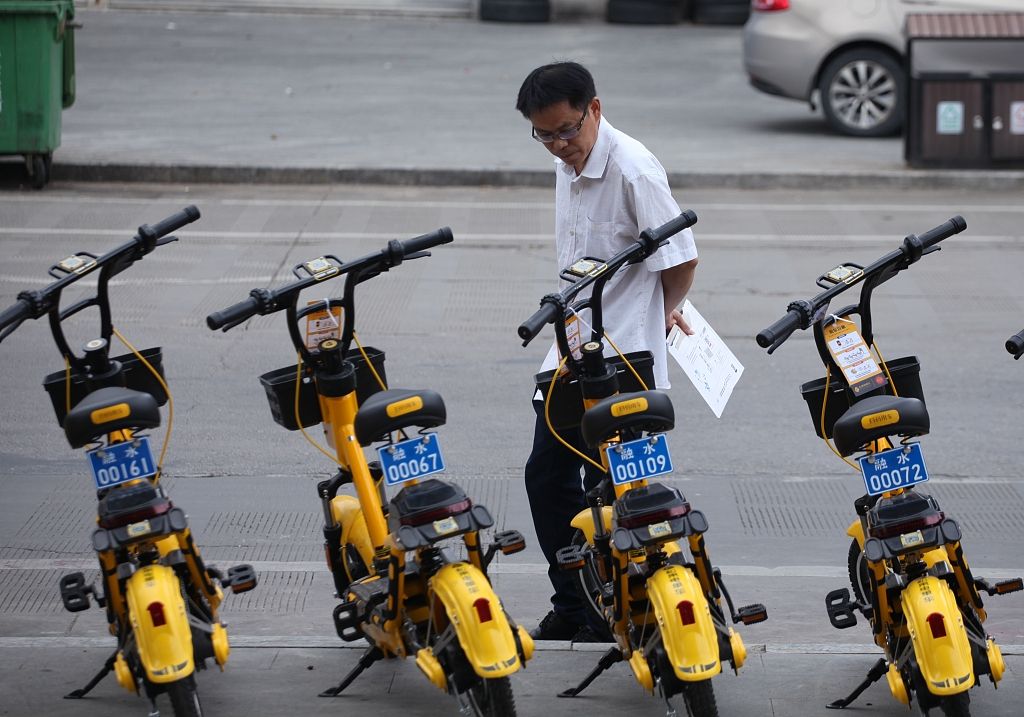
x=945, y=230
x=234, y=313
x=426, y=241
x=529, y=329
x=1015, y=344
x=780, y=330
x=673, y=226
x=174, y=222
x=15, y=313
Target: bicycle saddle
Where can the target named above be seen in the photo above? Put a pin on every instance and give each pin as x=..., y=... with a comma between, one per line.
x=107, y=410
x=877, y=417
x=649, y=411
x=395, y=409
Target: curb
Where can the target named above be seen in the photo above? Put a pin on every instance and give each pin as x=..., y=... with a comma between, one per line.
x=363, y=8
x=1001, y=181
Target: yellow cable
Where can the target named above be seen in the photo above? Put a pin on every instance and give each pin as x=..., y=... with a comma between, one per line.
x=170, y=403
x=824, y=402
x=298, y=421
x=547, y=419
x=380, y=382
x=885, y=366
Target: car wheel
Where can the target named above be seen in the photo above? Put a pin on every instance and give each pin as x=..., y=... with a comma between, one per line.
x=862, y=93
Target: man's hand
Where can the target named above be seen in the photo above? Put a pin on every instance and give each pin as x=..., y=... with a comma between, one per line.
x=675, y=318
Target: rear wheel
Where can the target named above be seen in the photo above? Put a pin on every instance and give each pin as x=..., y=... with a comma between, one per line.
x=699, y=698
x=489, y=698
x=956, y=706
x=857, y=568
x=185, y=698
x=589, y=580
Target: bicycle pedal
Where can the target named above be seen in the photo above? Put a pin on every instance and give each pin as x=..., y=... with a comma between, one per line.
x=347, y=621
x=840, y=608
x=752, y=614
x=510, y=542
x=570, y=557
x=74, y=592
x=1008, y=586
x=241, y=578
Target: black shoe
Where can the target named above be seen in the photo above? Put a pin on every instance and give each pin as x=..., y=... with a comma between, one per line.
x=589, y=634
x=554, y=627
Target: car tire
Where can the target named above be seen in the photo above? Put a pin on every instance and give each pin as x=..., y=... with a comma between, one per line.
x=862, y=93
x=643, y=12
x=515, y=10
x=715, y=12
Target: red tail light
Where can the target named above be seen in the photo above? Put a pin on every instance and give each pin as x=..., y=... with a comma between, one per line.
x=658, y=516
x=156, y=614
x=686, y=612
x=483, y=609
x=892, y=529
x=769, y=5
x=938, y=625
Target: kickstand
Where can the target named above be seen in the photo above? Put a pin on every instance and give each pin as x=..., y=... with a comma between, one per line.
x=104, y=671
x=607, y=660
x=876, y=673
x=369, y=657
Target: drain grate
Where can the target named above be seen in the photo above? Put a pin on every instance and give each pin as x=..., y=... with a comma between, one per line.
x=33, y=591
x=982, y=509
x=794, y=508
x=278, y=592
x=269, y=525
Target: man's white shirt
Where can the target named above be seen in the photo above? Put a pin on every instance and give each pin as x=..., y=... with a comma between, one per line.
x=622, y=190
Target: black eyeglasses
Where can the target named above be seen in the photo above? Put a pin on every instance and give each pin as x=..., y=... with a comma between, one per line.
x=565, y=135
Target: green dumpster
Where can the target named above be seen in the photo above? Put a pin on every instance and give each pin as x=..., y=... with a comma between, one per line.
x=37, y=79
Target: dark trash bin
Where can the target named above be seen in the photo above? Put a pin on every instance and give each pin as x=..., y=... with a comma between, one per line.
x=37, y=79
x=515, y=10
x=966, y=90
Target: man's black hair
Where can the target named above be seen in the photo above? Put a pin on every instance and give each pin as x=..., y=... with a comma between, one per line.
x=554, y=83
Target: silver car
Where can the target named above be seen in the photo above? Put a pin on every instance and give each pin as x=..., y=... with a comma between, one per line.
x=846, y=55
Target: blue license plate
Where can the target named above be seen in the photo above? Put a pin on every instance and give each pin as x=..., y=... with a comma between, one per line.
x=121, y=462
x=893, y=469
x=640, y=459
x=411, y=459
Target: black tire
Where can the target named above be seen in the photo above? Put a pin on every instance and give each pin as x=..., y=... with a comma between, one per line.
x=494, y=698
x=643, y=12
x=39, y=171
x=699, y=698
x=857, y=568
x=185, y=698
x=956, y=706
x=716, y=12
x=862, y=93
x=589, y=581
x=515, y=10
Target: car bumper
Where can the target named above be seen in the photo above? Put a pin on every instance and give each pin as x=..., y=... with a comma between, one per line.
x=782, y=53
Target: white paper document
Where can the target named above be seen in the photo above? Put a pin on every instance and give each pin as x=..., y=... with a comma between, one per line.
x=705, y=359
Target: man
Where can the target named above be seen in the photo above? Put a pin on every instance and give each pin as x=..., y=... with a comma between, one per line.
x=608, y=188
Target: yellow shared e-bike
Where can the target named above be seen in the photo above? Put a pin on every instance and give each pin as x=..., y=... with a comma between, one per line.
x=161, y=601
x=910, y=578
x=400, y=586
x=663, y=607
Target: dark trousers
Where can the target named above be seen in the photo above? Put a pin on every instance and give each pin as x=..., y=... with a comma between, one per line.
x=556, y=489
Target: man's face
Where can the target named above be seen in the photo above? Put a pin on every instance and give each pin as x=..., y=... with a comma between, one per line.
x=562, y=118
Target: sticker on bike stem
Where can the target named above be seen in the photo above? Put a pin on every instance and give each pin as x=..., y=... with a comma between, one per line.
x=121, y=462
x=322, y=325
x=852, y=355
x=638, y=460
x=411, y=459
x=894, y=469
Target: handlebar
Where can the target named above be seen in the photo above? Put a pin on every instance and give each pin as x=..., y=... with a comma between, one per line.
x=1015, y=344
x=799, y=314
x=152, y=232
x=650, y=240
x=15, y=314
x=267, y=301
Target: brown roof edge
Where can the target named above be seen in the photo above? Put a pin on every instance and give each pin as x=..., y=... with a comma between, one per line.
x=1004, y=25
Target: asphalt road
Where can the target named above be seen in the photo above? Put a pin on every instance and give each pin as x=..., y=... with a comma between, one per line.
x=777, y=500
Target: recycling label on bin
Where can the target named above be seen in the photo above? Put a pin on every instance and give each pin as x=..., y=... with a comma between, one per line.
x=949, y=117
x=1017, y=118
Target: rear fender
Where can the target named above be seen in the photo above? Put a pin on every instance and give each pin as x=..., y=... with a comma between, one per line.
x=937, y=633
x=348, y=514
x=684, y=618
x=159, y=620
x=478, y=618
x=584, y=521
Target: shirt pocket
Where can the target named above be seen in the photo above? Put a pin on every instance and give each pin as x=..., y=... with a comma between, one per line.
x=606, y=238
